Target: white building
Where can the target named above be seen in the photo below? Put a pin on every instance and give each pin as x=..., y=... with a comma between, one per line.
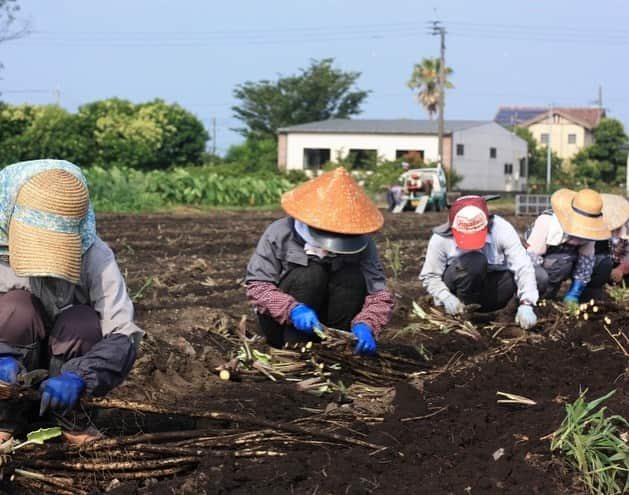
x=489, y=157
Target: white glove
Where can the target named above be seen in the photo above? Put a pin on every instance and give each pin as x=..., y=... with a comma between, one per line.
x=452, y=305
x=525, y=317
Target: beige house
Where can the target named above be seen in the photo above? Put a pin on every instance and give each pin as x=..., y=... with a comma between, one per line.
x=568, y=129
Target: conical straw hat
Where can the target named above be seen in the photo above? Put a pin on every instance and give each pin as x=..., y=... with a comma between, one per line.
x=333, y=202
x=44, y=231
x=580, y=214
x=615, y=210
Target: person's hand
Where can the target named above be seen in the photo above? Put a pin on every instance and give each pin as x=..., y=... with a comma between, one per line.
x=366, y=342
x=574, y=293
x=525, y=317
x=617, y=275
x=61, y=393
x=304, y=319
x=453, y=306
x=9, y=369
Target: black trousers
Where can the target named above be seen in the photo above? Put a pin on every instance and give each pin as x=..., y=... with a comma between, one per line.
x=336, y=297
x=469, y=280
x=558, y=267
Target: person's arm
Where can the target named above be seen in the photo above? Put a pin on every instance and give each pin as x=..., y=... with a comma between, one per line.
x=584, y=266
x=434, y=267
x=536, y=242
x=518, y=262
x=378, y=305
x=269, y=299
x=109, y=361
x=376, y=311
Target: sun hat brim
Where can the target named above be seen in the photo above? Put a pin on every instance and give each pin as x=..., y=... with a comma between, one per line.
x=615, y=210
x=36, y=252
x=470, y=241
x=339, y=243
x=578, y=223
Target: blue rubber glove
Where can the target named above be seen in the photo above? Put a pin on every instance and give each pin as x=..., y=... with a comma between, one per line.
x=9, y=369
x=366, y=342
x=61, y=392
x=574, y=293
x=304, y=319
x=525, y=317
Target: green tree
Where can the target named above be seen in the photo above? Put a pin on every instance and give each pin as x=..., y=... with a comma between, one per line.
x=603, y=162
x=318, y=92
x=425, y=80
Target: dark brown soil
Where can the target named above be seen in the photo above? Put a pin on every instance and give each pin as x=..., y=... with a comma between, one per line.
x=443, y=430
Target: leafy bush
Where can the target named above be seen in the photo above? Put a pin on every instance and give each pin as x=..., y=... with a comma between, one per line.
x=124, y=189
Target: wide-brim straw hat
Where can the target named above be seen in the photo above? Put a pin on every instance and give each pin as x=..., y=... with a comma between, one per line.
x=580, y=214
x=335, y=203
x=615, y=210
x=44, y=231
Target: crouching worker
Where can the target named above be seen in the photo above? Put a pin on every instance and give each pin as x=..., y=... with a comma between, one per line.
x=561, y=245
x=63, y=302
x=478, y=259
x=616, y=214
x=319, y=265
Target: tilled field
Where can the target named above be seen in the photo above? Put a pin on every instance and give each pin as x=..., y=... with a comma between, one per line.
x=421, y=418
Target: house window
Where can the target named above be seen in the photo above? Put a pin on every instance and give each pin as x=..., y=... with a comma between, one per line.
x=545, y=138
x=492, y=152
x=413, y=157
x=523, y=173
x=508, y=168
x=460, y=150
x=363, y=159
x=572, y=139
x=314, y=158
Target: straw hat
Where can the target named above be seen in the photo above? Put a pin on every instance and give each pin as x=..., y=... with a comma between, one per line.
x=44, y=231
x=615, y=210
x=580, y=214
x=335, y=203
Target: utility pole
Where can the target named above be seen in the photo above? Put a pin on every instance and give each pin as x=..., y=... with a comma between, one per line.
x=57, y=94
x=600, y=96
x=549, y=159
x=439, y=29
x=213, y=138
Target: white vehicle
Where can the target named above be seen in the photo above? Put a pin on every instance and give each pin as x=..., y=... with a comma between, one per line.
x=422, y=189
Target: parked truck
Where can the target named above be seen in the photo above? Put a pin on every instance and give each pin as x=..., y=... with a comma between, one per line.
x=422, y=189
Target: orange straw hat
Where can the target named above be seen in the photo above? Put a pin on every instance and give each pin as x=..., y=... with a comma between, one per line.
x=580, y=214
x=45, y=227
x=615, y=210
x=333, y=202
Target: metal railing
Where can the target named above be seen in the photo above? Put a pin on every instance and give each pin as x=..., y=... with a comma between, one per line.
x=531, y=204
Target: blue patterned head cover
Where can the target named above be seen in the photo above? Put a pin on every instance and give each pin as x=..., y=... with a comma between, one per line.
x=13, y=177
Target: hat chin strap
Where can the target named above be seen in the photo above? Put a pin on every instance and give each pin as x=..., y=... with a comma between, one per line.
x=583, y=212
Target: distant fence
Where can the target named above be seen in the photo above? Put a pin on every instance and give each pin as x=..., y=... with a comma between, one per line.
x=531, y=204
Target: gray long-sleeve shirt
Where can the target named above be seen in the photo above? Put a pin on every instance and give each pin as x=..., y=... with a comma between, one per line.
x=103, y=288
x=503, y=251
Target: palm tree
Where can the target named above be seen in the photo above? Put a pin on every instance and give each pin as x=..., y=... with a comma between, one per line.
x=425, y=79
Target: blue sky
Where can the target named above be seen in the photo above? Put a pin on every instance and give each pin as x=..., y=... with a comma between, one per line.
x=194, y=52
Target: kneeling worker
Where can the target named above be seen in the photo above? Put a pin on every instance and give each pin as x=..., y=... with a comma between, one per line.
x=478, y=258
x=63, y=301
x=319, y=265
x=562, y=246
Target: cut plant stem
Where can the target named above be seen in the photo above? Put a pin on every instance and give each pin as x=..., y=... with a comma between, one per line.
x=515, y=399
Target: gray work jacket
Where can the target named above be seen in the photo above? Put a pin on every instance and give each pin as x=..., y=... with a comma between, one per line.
x=279, y=250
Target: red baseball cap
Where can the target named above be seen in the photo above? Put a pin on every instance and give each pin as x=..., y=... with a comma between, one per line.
x=469, y=221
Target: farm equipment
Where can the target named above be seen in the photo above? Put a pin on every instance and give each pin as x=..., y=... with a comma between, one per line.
x=422, y=189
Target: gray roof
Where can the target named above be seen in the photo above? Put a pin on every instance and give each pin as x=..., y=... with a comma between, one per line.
x=383, y=126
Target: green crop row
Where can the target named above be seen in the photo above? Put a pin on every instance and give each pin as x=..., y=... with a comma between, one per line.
x=121, y=189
